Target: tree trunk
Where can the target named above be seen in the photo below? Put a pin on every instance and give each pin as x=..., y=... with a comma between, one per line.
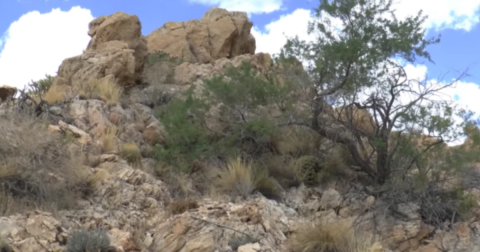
x=383, y=168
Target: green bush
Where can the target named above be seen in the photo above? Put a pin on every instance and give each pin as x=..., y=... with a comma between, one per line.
x=89, y=241
x=41, y=86
x=235, y=104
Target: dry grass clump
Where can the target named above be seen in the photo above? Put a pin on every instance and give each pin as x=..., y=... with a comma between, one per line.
x=330, y=237
x=182, y=205
x=240, y=178
x=295, y=141
x=236, y=179
x=55, y=94
x=105, y=89
x=279, y=167
x=131, y=153
x=108, y=139
x=37, y=169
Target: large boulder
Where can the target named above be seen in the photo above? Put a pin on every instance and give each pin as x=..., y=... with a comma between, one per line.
x=106, y=32
x=218, y=34
x=7, y=92
x=117, y=50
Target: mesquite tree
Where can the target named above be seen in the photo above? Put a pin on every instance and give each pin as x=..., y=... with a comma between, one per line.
x=355, y=65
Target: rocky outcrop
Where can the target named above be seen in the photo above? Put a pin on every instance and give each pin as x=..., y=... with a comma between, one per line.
x=7, y=92
x=218, y=34
x=187, y=72
x=117, y=50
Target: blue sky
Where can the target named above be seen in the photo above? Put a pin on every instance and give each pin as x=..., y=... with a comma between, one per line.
x=36, y=35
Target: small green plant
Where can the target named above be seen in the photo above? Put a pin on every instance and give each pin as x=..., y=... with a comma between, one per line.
x=43, y=85
x=89, y=241
x=131, y=153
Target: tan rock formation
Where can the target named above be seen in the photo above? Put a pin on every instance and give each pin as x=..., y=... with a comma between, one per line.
x=117, y=50
x=7, y=92
x=218, y=34
x=187, y=72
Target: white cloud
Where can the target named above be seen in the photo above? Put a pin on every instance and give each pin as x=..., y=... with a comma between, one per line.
x=442, y=14
x=249, y=6
x=36, y=44
x=277, y=32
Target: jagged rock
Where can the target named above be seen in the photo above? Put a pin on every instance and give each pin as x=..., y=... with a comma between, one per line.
x=83, y=137
x=184, y=232
x=7, y=92
x=106, y=30
x=117, y=50
x=89, y=116
x=330, y=199
x=187, y=72
x=252, y=247
x=122, y=239
x=219, y=33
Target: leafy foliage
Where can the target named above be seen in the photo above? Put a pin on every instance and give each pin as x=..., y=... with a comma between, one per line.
x=224, y=119
x=43, y=85
x=358, y=65
x=353, y=66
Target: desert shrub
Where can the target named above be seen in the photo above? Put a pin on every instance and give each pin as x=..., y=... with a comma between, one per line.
x=280, y=169
x=231, y=115
x=440, y=182
x=37, y=170
x=41, y=87
x=105, y=89
x=187, y=139
x=295, y=141
x=267, y=185
x=87, y=241
x=131, y=153
x=329, y=237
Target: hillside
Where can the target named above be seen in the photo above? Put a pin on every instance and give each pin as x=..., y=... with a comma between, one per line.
x=188, y=140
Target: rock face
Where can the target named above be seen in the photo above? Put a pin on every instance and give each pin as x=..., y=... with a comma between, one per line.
x=7, y=92
x=219, y=33
x=117, y=49
x=186, y=72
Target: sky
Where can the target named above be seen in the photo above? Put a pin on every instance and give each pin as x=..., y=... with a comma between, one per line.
x=36, y=35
